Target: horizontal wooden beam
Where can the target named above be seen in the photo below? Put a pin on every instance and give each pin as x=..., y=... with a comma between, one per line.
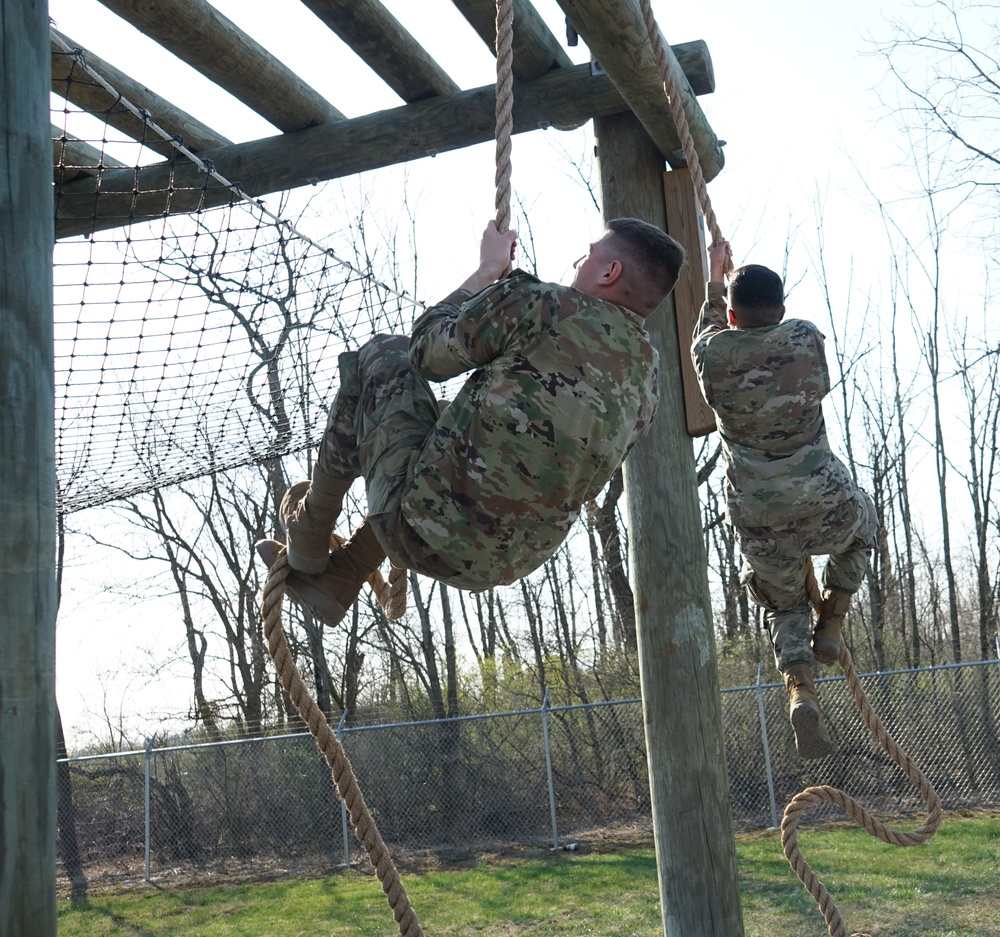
x=73, y=157
x=564, y=96
x=616, y=34
x=200, y=35
x=380, y=40
x=536, y=50
x=73, y=84
x=696, y=63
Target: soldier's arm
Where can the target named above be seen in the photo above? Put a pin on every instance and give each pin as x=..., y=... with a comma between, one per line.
x=713, y=317
x=440, y=347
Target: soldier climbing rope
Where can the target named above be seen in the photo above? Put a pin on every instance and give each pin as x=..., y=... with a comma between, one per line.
x=811, y=795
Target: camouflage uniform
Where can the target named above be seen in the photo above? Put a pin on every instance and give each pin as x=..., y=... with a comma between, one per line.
x=563, y=386
x=788, y=496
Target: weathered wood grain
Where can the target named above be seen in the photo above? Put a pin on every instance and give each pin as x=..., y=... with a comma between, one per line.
x=27, y=481
x=617, y=36
x=200, y=35
x=73, y=84
x=412, y=131
x=385, y=46
x=684, y=221
x=689, y=786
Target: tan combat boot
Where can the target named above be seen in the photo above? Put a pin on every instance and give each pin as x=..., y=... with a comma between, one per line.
x=308, y=512
x=826, y=636
x=811, y=738
x=330, y=594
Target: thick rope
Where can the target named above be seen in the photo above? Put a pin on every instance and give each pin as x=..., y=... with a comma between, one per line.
x=673, y=91
x=504, y=109
x=333, y=752
x=827, y=794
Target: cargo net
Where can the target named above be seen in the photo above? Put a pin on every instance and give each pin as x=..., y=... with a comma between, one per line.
x=195, y=330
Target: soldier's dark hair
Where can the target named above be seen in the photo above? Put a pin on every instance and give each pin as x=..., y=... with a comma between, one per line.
x=757, y=296
x=657, y=256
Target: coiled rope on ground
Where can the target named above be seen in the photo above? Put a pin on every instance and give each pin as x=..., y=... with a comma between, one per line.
x=833, y=795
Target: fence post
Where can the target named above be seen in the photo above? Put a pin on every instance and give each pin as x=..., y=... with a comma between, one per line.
x=767, y=751
x=343, y=806
x=146, y=818
x=548, y=768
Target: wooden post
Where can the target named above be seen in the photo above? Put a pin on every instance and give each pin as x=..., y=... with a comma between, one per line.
x=27, y=479
x=692, y=816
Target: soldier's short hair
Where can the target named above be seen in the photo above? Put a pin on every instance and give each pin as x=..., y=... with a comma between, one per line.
x=657, y=256
x=757, y=296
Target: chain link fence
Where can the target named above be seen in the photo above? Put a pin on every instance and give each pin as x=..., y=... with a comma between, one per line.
x=540, y=777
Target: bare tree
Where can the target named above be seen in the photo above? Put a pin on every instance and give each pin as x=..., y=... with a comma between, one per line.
x=944, y=67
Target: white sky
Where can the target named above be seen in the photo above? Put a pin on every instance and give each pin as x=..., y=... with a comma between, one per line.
x=795, y=103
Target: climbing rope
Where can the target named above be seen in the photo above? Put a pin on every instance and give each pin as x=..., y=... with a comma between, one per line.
x=823, y=793
x=832, y=795
x=674, y=98
x=504, y=109
x=332, y=751
x=390, y=594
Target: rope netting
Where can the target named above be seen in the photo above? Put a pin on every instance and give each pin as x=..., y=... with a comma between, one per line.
x=186, y=342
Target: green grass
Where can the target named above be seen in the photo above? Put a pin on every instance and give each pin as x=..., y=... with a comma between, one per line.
x=949, y=887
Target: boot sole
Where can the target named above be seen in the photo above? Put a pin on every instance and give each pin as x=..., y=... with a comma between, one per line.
x=810, y=739
x=314, y=600
x=826, y=650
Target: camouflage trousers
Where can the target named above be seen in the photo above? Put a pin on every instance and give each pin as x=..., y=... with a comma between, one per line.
x=772, y=569
x=377, y=427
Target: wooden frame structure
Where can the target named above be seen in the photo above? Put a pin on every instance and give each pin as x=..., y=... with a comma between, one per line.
x=637, y=141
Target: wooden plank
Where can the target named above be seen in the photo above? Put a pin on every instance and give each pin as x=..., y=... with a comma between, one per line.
x=689, y=784
x=27, y=481
x=684, y=221
x=200, y=35
x=380, y=40
x=73, y=84
x=617, y=35
x=412, y=131
x=536, y=50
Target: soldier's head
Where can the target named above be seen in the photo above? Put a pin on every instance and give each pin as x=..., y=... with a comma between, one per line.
x=756, y=297
x=634, y=264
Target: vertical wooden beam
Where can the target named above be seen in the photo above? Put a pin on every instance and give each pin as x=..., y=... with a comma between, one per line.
x=27, y=479
x=692, y=817
x=684, y=222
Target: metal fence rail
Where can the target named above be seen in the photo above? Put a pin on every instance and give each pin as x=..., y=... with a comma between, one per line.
x=544, y=776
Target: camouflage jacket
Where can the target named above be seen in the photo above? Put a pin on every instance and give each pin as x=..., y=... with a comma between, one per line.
x=766, y=386
x=563, y=386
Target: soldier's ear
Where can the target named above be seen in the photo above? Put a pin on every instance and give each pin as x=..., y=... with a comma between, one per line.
x=782, y=315
x=612, y=273
x=732, y=317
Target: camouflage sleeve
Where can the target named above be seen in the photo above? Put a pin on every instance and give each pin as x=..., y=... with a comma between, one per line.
x=822, y=368
x=456, y=336
x=711, y=320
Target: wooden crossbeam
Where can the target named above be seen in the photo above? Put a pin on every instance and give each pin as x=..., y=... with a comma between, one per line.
x=564, y=96
x=75, y=85
x=536, y=50
x=73, y=157
x=616, y=34
x=380, y=40
x=200, y=35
